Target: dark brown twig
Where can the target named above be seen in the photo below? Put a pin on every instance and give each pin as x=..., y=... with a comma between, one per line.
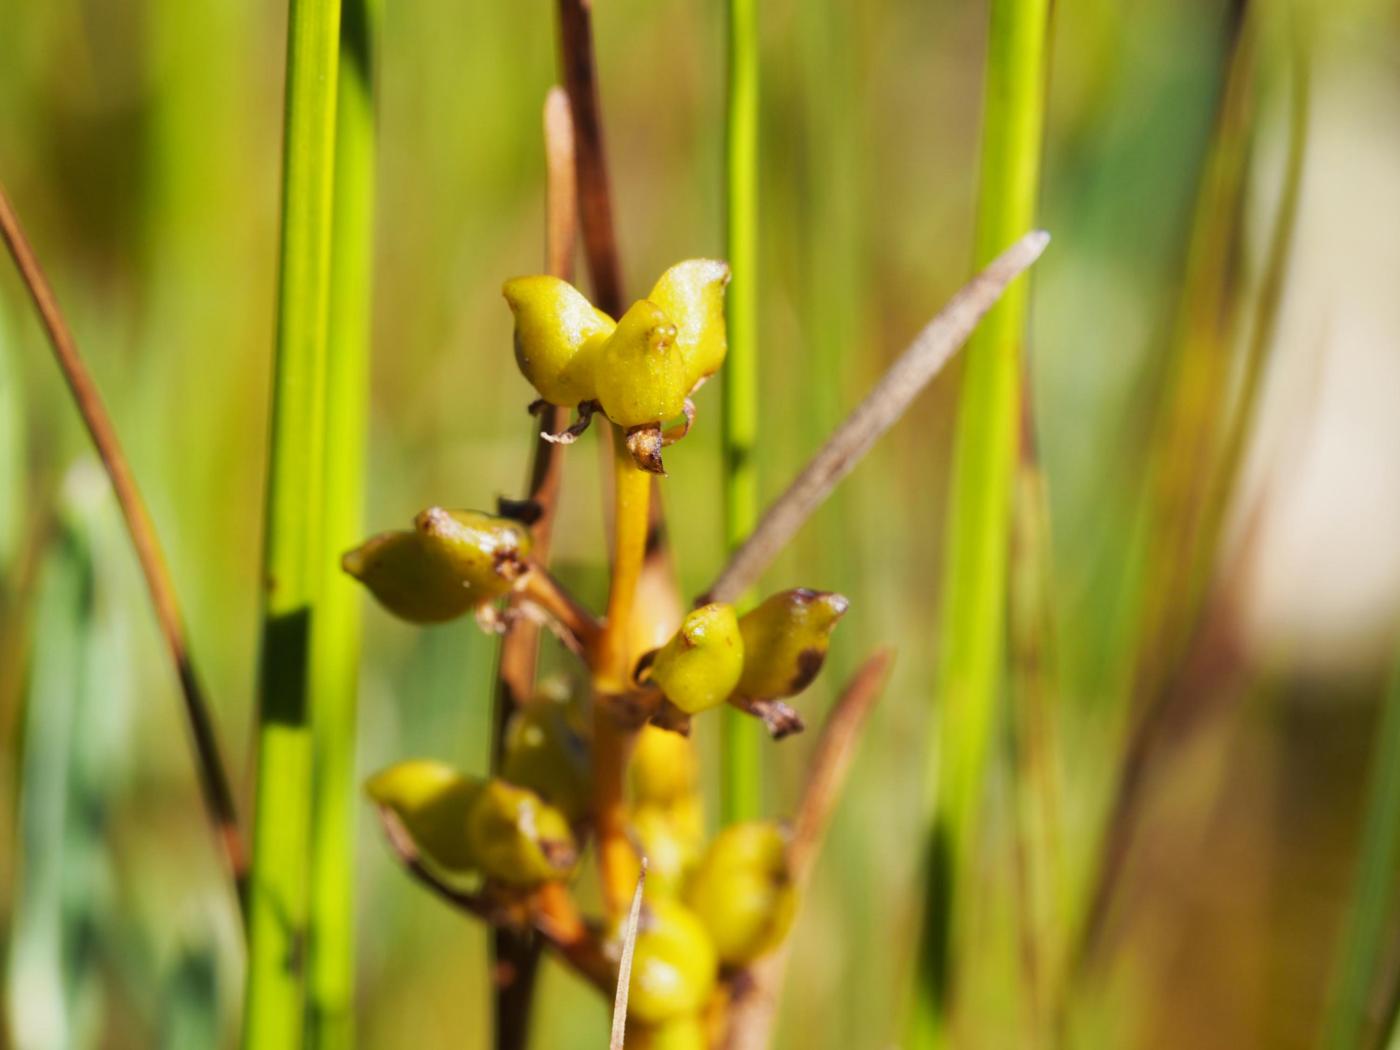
x=579, y=66
x=882, y=407
x=209, y=763
x=516, y=957
x=753, y=1010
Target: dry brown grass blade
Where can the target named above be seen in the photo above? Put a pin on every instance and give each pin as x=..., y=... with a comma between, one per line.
x=624, y=966
x=209, y=763
x=883, y=406
x=753, y=1010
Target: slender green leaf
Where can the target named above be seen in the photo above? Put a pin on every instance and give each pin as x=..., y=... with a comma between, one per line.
x=336, y=635
x=295, y=546
x=974, y=609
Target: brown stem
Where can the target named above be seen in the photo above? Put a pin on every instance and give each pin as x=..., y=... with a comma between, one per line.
x=578, y=626
x=576, y=58
x=516, y=956
x=883, y=406
x=209, y=763
x=753, y=1009
x=552, y=914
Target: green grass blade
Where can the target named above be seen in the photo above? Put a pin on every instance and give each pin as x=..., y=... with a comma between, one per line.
x=1363, y=939
x=336, y=634
x=295, y=550
x=974, y=605
x=741, y=786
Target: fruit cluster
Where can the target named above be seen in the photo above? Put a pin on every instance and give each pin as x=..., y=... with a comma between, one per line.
x=710, y=908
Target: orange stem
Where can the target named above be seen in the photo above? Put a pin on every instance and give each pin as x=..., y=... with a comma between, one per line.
x=613, y=742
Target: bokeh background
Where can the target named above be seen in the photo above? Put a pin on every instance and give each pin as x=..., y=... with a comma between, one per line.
x=140, y=141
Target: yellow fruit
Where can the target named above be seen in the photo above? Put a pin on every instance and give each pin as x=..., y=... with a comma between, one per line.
x=664, y=767
x=691, y=294
x=517, y=838
x=670, y=845
x=431, y=800
x=450, y=563
x=674, y=964
x=641, y=376
x=544, y=753
x=557, y=335
x=742, y=891
x=785, y=642
x=680, y=1033
x=700, y=666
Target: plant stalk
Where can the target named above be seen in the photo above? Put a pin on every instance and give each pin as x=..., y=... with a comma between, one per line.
x=295, y=545
x=612, y=742
x=974, y=608
x=336, y=634
x=741, y=786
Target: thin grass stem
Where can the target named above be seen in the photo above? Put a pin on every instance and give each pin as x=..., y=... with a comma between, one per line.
x=210, y=766
x=741, y=784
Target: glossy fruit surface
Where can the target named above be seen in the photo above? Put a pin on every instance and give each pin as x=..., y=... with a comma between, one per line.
x=641, y=376
x=664, y=768
x=671, y=845
x=517, y=838
x=450, y=563
x=785, y=641
x=674, y=966
x=557, y=335
x=701, y=664
x=545, y=753
x=431, y=799
x=742, y=891
x=691, y=294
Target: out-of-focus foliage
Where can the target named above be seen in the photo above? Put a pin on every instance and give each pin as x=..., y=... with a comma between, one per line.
x=140, y=142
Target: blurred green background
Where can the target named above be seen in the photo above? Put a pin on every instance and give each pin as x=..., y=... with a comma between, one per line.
x=140, y=141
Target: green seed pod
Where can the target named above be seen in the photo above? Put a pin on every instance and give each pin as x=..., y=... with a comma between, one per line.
x=680, y=1033
x=545, y=753
x=785, y=642
x=691, y=293
x=450, y=563
x=673, y=965
x=671, y=844
x=431, y=800
x=557, y=335
x=701, y=664
x=664, y=768
x=517, y=838
x=742, y=891
x=641, y=376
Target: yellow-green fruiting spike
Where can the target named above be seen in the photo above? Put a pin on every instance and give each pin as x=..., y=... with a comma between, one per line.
x=641, y=376
x=545, y=753
x=673, y=965
x=664, y=768
x=691, y=294
x=517, y=838
x=450, y=563
x=557, y=335
x=785, y=642
x=431, y=800
x=701, y=664
x=671, y=845
x=743, y=893
x=680, y=1033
